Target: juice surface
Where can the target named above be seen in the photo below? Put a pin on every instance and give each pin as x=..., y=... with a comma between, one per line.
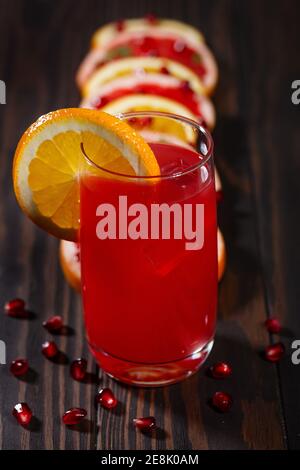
x=150, y=301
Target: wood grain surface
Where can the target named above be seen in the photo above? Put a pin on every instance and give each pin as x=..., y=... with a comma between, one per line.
x=257, y=47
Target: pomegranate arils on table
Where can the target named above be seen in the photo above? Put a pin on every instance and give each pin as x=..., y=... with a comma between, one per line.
x=146, y=424
x=53, y=324
x=15, y=308
x=220, y=370
x=49, y=349
x=274, y=352
x=106, y=398
x=78, y=369
x=74, y=416
x=273, y=325
x=19, y=367
x=221, y=401
x=22, y=413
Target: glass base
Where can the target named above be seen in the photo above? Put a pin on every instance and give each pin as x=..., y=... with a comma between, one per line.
x=151, y=375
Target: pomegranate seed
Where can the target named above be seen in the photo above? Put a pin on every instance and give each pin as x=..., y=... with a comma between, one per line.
x=54, y=323
x=22, y=413
x=147, y=424
x=19, y=367
x=106, y=398
x=220, y=370
x=49, y=349
x=151, y=18
x=74, y=416
x=219, y=196
x=274, y=352
x=140, y=122
x=273, y=325
x=179, y=46
x=185, y=85
x=78, y=369
x=165, y=71
x=15, y=308
x=120, y=25
x=222, y=401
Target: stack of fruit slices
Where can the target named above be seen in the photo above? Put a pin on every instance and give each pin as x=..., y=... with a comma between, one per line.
x=147, y=64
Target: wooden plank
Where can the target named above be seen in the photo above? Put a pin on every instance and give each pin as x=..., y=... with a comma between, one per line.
x=275, y=168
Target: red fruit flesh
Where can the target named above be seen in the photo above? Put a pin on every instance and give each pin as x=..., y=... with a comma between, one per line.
x=19, y=367
x=222, y=401
x=22, y=413
x=274, y=352
x=49, y=349
x=183, y=94
x=162, y=47
x=106, y=398
x=146, y=424
x=74, y=416
x=54, y=323
x=15, y=308
x=78, y=369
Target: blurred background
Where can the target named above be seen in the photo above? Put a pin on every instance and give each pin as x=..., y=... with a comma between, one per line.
x=256, y=45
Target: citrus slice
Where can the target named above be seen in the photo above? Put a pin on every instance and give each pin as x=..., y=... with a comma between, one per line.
x=48, y=162
x=195, y=56
x=69, y=257
x=131, y=103
x=160, y=84
x=140, y=66
x=108, y=33
x=221, y=255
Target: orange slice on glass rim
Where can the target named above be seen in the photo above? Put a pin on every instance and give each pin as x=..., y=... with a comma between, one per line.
x=48, y=161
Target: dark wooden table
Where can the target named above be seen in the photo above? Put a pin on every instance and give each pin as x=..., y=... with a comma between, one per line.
x=257, y=152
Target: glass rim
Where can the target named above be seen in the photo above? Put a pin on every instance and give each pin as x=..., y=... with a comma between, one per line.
x=176, y=117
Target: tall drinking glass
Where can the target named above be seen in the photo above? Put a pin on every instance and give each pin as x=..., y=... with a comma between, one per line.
x=149, y=256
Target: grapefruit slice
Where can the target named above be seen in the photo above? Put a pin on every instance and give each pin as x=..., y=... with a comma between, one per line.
x=160, y=84
x=133, y=103
x=221, y=254
x=69, y=256
x=164, y=27
x=141, y=66
x=198, y=58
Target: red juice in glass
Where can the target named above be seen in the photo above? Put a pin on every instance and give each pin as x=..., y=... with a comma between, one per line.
x=150, y=297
